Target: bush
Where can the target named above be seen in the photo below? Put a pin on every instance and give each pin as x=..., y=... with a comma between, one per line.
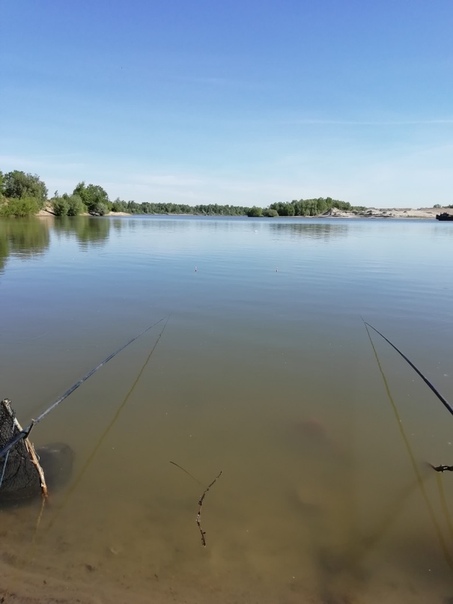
x=121, y=206
x=99, y=209
x=270, y=213
x=75, y=205
x=60, y=206
x=254, y=212
x=68, y=205
x=23, y=206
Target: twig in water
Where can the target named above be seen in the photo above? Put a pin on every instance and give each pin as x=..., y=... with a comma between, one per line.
x=200, y=503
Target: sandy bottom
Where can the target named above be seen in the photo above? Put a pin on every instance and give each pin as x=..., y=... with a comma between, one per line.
x=50, y=567
x=22, y=587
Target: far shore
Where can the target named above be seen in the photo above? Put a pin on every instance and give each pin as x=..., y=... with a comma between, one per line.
x=426, y=213
x=422, y=213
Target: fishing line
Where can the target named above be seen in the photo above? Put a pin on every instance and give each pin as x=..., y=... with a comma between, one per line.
x=112, y=422
x=386, y=523
x=34, y=541
x=187, y=472
x=26, y=431
x=442, y=399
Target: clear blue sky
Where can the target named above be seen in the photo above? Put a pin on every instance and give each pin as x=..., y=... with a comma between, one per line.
x=242, y=102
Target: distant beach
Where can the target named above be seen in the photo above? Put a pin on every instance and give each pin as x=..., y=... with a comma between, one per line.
x=422, y=213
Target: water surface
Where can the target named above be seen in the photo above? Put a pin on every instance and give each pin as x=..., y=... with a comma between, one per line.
x=265, y=372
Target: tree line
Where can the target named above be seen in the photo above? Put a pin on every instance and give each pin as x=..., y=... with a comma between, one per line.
x=23, y=194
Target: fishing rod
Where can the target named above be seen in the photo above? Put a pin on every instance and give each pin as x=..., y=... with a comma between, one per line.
x=24, y=433
x=443, y=400
x=107, y=430
x=372, y=539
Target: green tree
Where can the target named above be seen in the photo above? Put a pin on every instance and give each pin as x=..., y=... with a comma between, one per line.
x=119, y=205
x=283, y=208
x=94, y=197
x=99, y=209
x=67, y=205
x=60, y=206
x=254, y=212
x=75, y=205
x=17, y=184
x=322, y=205
x=133, y=207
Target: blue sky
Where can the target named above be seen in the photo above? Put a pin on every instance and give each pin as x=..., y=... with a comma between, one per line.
x=243, y=102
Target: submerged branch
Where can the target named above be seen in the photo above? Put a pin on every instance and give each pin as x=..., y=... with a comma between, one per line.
x=200, y=504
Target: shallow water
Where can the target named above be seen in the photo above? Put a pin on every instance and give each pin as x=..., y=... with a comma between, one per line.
x=264, y=371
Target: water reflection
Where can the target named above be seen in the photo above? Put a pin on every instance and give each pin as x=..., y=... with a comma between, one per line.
x=4, y=246
x=318, y=230
x=307, y=229
x=28, y=237
x=23, y=238
x=88, y=230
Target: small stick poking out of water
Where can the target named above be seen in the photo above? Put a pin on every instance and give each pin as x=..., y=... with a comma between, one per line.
x=200, y=503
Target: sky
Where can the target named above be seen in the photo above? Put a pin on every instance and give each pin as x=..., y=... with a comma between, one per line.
x=244, y=102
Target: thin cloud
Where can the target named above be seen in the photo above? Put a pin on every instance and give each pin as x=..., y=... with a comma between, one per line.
x=331, y=122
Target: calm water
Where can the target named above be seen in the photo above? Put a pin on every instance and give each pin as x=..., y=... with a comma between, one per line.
x=265, y=372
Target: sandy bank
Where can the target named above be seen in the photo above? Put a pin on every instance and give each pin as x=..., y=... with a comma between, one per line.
x=46, y=212
x=425, y=213
x=422, y=213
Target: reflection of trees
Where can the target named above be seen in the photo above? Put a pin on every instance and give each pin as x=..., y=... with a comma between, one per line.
x=87, y=229
x=117, y=224
x=4, y=245
x=23, y=238
x=28, y=237
x=318, y=230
